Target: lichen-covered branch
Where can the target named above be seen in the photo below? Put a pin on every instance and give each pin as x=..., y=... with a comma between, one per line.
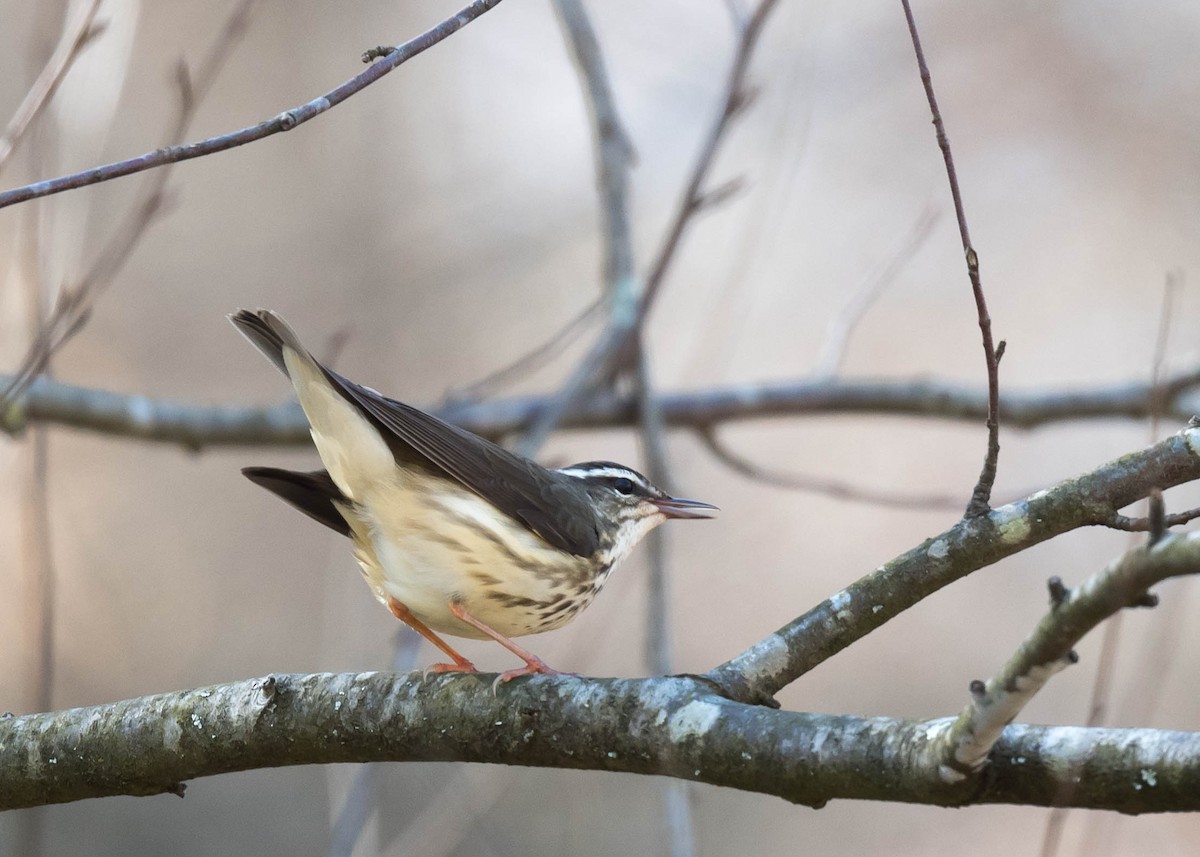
x=1048, y=649
x=198, y=426
x=670, y=726
x=971, y=544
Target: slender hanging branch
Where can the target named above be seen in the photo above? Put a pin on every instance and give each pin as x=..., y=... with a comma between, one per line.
x=388, y=60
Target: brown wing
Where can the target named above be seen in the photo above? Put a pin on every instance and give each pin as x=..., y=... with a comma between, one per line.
x=543, y=500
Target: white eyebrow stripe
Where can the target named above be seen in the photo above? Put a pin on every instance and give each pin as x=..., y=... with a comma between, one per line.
x=604, y=473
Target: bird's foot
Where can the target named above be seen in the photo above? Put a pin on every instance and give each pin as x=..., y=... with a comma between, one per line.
x=533, y=666
x=459, y=666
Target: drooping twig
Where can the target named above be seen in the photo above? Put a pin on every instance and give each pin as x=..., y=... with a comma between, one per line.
x=819, y=485
x=74, y=39
x=285, y=121
x=529, y=362
x=841, y=326
x=967, y=744
x=981, y=495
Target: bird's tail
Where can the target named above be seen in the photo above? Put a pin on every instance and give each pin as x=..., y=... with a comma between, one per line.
x=315, y=494
x=268, y=333
x=348, y=439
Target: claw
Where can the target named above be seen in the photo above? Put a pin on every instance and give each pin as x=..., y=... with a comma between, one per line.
x=464, y=666
x=533, y=666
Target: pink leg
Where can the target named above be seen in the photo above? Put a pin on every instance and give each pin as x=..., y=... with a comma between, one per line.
x=405, y=615
x=533, y=664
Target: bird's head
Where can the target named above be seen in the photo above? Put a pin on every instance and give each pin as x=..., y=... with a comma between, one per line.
x=628, y=505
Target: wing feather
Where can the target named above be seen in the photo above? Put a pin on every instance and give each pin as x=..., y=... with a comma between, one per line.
x=519, y=487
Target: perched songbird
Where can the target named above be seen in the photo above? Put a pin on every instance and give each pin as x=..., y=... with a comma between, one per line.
x=454, y=533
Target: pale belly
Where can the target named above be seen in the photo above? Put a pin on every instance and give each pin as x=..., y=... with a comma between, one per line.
x=453, y=547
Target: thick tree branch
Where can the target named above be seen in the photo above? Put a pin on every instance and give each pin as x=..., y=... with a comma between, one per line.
x=971, y=544
x=669, y=726
x=198, y=426
x=286, y=121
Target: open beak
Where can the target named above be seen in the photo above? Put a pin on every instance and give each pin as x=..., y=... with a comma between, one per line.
x=675, y=508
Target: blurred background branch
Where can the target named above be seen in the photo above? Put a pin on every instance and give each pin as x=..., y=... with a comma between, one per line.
x=198, y=426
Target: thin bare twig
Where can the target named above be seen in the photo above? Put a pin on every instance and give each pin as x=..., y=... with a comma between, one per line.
x=614, y=159
x=734, y=98
x=73, y=307
x=819, y=485
x=616, y=348
x=74, y=39
x=1149, y=524
x=981, y=495
x=554, y=409
x=1112, y=632
x=529, y=362
x=654, y=450
x=658, y=656
x=285, y=121
x=842, y=325
x=614, y=153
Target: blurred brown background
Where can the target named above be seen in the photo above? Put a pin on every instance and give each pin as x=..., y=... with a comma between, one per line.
x=445, y=220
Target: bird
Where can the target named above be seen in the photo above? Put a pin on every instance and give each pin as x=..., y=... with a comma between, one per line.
x=453, y=533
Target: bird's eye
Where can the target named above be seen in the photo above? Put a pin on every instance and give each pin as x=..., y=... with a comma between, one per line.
x=622, y=485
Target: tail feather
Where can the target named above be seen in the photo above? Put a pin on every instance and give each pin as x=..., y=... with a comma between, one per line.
x=268, y=333
x=351, y=445
x=314, y=494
